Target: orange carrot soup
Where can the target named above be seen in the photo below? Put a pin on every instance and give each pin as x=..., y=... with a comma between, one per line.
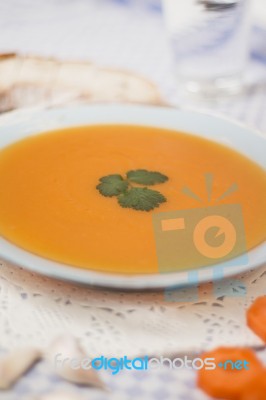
x=85, y=196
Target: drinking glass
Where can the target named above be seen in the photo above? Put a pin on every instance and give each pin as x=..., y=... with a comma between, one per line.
x=210, y=43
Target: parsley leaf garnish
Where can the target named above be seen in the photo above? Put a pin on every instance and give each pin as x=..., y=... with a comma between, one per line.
x=128, y=196
x=144, y=177
x=112, y=185
x=143, y=199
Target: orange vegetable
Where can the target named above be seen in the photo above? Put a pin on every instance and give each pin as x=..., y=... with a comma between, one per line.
x=256, y=318
x=235, y=367
x=256, y=389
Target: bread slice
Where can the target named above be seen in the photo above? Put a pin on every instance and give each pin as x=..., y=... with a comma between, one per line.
x=32, y=81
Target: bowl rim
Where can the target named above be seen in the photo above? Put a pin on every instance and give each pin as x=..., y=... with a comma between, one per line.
x=27, y=123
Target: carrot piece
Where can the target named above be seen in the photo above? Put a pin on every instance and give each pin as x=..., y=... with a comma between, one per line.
x=256, y=389
x=227, y=380
x=256, y=317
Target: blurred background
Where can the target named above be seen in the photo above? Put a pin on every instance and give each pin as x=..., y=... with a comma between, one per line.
x=135, y=35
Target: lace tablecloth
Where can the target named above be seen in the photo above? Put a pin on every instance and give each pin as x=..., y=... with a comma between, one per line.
x=34, y=309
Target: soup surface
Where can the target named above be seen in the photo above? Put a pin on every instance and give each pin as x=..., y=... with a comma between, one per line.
x=50, y=206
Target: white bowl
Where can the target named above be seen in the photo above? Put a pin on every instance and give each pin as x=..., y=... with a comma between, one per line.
x=18, y=125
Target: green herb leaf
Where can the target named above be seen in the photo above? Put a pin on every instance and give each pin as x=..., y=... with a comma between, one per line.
x=144, y=177
x=143, y=199
x=112, y=185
